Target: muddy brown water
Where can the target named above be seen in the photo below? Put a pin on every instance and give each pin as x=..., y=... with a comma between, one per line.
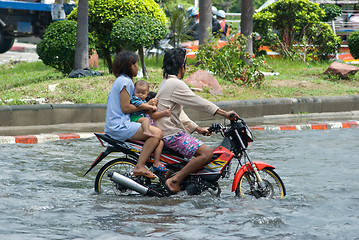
x=44, y=195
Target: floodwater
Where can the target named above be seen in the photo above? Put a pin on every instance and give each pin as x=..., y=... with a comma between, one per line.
x=44, y=195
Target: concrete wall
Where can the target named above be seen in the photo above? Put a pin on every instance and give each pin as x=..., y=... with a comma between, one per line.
x=279, y=106
x=49, y=114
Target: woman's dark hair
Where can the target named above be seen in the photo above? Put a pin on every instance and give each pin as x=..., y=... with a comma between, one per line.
x=123, y=62
x=173, y=60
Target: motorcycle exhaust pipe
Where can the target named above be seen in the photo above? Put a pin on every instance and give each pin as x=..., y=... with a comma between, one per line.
x=131, y=184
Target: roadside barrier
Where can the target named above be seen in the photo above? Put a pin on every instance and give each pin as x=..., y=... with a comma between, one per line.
x=40, y=138
x=313, y=126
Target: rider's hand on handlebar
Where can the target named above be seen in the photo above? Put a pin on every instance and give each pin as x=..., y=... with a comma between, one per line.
x=203, y=131
x=232, y=115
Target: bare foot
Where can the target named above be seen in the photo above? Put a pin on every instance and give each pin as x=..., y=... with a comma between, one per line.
x=144, y=172
x=174, y=187
x=148, y=133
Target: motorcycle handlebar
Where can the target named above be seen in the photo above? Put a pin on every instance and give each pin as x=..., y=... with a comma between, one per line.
x=216, y=127
x=233, y=116
x=213, y=128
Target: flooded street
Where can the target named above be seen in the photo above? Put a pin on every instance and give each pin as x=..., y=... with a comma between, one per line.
x=45, y=196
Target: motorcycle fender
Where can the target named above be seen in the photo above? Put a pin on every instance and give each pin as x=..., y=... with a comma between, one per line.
x=243, y=169
x=100, y=158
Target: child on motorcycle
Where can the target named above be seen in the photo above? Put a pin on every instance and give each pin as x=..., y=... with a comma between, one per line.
x=174, y=94
x=145, y=116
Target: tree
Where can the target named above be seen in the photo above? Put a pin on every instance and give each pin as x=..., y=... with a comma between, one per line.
x=82, y=49
x=331, y=11
x=247, y=27
x=205, y=19
x=103, y=14
x=136, y=32
x=295, y=28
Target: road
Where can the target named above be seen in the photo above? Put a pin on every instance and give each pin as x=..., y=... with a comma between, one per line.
x=20, y=52
x=45, y=196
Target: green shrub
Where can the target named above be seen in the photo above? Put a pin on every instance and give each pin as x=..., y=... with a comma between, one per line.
x=353, y=44
x=295, y=28
x=137, y=31
x=227, y=62
x=325, y=41
x=58, y=45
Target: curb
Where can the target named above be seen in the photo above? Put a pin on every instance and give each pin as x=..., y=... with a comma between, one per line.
x=41, y=138
x=34, y=139
x=17, y=49
x=314, y=126
x=23, y=47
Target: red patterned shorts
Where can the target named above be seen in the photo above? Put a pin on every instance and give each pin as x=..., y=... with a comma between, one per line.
x=183, y=143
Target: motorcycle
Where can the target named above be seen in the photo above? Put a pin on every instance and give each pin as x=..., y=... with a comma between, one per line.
x=252, y=179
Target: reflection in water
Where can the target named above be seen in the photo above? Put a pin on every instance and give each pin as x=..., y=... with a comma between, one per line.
x=44, y=196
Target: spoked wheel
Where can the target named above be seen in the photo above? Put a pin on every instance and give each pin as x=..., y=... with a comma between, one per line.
x=103, y=184
x=271, y=186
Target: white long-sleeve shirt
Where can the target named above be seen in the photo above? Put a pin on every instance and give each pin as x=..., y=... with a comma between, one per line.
x=173, y=94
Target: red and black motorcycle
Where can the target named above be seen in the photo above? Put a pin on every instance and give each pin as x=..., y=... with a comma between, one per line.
x=252, y=179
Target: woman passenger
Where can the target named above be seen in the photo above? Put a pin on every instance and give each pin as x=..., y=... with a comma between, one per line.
x=118, y=123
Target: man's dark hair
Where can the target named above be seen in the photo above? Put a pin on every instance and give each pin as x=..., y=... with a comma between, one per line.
x=123, y=62
x=173, y=60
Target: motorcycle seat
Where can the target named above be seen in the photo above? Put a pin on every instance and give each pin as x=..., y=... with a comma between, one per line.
x=113, y=142
x=166, y=150
x=124, y=145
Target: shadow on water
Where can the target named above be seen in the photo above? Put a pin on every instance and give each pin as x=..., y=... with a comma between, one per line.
x=45, y=196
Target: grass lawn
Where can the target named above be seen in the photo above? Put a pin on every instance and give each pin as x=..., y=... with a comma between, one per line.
x=295, y=79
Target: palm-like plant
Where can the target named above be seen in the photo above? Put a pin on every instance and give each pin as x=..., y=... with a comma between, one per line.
x=178, y=25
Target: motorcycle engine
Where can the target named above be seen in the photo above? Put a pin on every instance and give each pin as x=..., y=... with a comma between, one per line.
x=193, y=189
x=196, y=185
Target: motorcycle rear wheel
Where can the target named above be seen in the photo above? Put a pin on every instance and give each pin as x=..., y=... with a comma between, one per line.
x=103, y=184
x=272, y=186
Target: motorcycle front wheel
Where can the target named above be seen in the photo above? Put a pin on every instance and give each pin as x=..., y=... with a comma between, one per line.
x=103, y=184
x=271, y=187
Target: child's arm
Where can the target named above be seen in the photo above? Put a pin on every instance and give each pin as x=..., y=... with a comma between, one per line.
x=158, y=115
x=126, y=105
x=147, y=107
